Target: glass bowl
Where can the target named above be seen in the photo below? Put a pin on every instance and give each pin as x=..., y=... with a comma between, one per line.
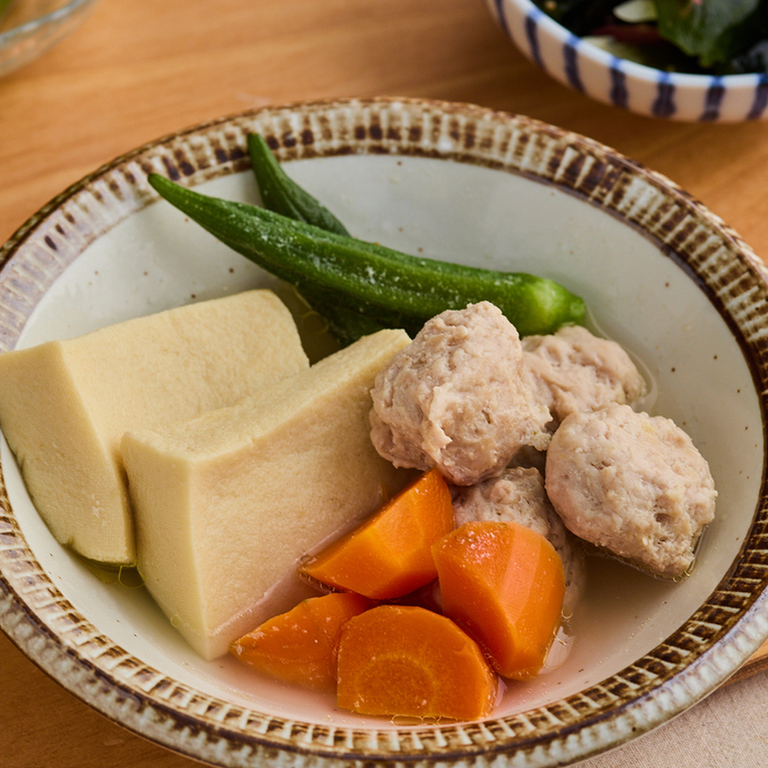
x=28, y=28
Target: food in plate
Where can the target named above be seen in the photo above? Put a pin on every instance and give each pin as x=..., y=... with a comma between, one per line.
x=503, y=583
x=228, y=502
x=359, y=287
x=633, y=484
x=388, y=555
x=281, y=194
x=518, y=495
x=301, y=646
x=456, y=398
x=209, y=560
x=406, y=660
x=64, y=405
x=573, y=370
x=501, y=586
x=510, y=571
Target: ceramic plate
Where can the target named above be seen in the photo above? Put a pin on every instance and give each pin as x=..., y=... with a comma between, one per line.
x=660, y=274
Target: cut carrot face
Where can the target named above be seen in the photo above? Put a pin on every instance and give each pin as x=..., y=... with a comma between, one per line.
x=408, y=661
x=301, y=645
x=389, y=554
x=504, y=584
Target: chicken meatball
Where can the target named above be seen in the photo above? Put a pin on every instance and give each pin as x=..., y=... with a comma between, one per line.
x=632, y=484
x=455, y=398
x=574, y=370
x=518, y=495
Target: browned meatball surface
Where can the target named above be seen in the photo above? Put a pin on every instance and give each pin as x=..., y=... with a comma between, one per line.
x=574, y=370
x=455, y=398
x=632, y=484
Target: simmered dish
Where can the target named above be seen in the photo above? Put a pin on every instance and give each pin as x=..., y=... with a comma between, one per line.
x=402, y=523
x=435, y=475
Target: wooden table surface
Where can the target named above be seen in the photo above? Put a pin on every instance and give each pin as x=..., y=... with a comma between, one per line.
x=134, y=72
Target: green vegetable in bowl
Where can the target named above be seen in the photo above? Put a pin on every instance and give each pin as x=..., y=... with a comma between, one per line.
x=360, y=287
x=283, y=195
x=713, y=36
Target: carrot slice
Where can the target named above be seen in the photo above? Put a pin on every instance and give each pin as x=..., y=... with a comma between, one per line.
x=504, y=584
x=300, y=646
x=389, y=555
x=408, y=661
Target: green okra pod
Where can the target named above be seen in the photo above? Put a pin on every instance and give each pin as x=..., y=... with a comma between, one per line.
x=360, y=286
x=283, y=195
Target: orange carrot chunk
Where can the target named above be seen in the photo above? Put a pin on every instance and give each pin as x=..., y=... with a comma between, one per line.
x=301, y=645
x=389, y=555
x=405, y=660
x=503, y=583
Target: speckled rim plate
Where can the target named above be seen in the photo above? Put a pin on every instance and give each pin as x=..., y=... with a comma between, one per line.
x=39, y=615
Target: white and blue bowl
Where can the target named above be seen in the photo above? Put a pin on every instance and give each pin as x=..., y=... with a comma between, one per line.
x=626, y=84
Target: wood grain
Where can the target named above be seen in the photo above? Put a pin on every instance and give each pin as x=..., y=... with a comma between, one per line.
x=134, y=72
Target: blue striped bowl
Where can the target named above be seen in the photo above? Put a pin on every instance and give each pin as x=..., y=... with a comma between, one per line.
x=626, y=84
